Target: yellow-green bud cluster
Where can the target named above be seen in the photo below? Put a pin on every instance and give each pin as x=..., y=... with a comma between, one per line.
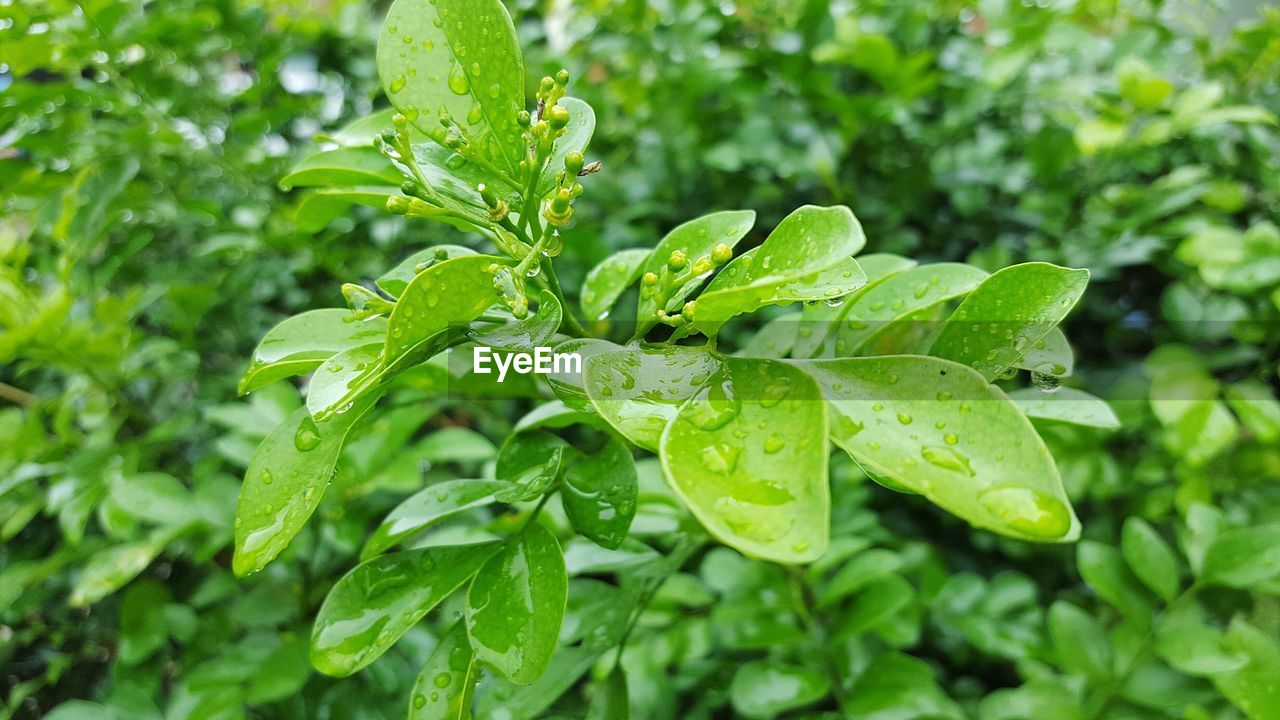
x=676, y=273
x=497, y=206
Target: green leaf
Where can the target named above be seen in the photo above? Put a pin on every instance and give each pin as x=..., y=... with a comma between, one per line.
x=1243, y=557
x=109, y=570
x=880, y=600
x=789, y=266
x=609, y=279
x=1080, y=641
x=765, y=688
x=448, y=294
x=153, y=496
x=555, y=414
x=1257, y=408
x=529, y=463
x=343, y=167
x=577, y=136
x=747, y=455
x=1041, y=698
x=611, y=701
x=1253, y=688
x=534, y=331
x=1103, y=569
x=370, y=607
x=513, y=701
x=898, y=686
x=516, y=604
x=1192, y=646
x=1011, y=311
x=285, y=482
x=777, y=339
x=428, y=507
x=299, y=344
x=599, y=494
x=446, y=684
x=876, y=311
x=639, y=391
x=460, y=59
x=1066, y=405
x=952, y=437
x=825, y=321
x=1150, y=558
x=320, y=207
x=341, y=378
x=857, y=573
x=696, y=239
x=394, y=281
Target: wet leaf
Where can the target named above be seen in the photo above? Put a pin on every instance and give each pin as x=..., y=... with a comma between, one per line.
x=458, y=59
x=875, y=312
x=577, y=136
x=748, y=456
x=525, y=335
x=599, y=494
x=343, y=167
x=639, y=391
x=299, y=344
x=445, y=686
x=285, y=482
x=806, y=257
x=516, y=604
x=428, y=507
x=394, y=281
x=941, y=430
x=1012, y=310
x=449, y=294
x=320, y=207
x=371, y=606
x=529, y=464
x=609, y=279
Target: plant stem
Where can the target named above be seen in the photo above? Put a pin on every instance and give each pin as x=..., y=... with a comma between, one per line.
x=570, y=320
x=16, y=396
x=803, y=604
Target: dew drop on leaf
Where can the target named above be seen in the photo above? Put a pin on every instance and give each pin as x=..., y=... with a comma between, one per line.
x=1028, y=510
x=946, y=458
x=458, y=82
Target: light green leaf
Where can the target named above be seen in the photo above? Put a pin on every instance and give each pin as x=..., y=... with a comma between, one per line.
x=1253, y=688
x=1150, y=558
x=877, y=310
x=299, y=344
x=952, y=437
x=426, y=508
x=1041, y=698
x=1011, y=311
x=320, y=207
x=880, y=600
x=765, y=688
x=153, y=496
x=371, y=606
x=568, y=384
x=1103, y=569
x=449, y=294
x=824, y=321
x=789, y=266
x=446, y=684
x=109, y=570
x=343, y=167
x=609, y=279
x=1080, y=641
x=639, y=391
x=340, y=379
x=1066, y=405
x=513, y=701
x=1257, y=408
x=1052, y=355
x=460, y=59
x=1243, y=557
x=599, y=494
x=1192, y=646
x=515, y=606
x=285, y=482
x=696, y=239
x=748, y=456
x=777, y=338
x=394, y=281
x=555, y=414
x=534, y=331
x=896, y=686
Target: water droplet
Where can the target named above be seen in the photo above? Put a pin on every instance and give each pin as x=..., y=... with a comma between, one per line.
x=398, y=84
x=458, y=82
x=774, y=443
x=494, y=90
x=475, y=115
x=419, y=701
x=1046, y=382
x=308, y=435
x=720, y=458
x=443, y=679
x=266, y=477
x=946, y=458
x=1028, y=510
x=904, y=418
x=775, y=392
x=716, y=405
x=951, y=438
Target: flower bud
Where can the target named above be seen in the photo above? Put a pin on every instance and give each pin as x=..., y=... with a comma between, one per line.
x=557, y=117
x=547, y=84
x=388, y=136
x=400, y=121
x=523, y=118
x=678, y=260
x=559, y=209
x=687, y=311
x=398, y=204
x=650, y=279
x=562, y=78
x=573, y=162
x=488, y=195
x=702, y=265
x=721, y=254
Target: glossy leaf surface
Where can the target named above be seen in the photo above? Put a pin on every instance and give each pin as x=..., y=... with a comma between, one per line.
x=298, y=345
x=599, y=494
x=639, y=391
x=696, y=238
x=445, y=686
x=428, y=507
x=609, y=279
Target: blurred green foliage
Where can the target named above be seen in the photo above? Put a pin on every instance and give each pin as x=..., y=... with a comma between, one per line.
x=145, y=246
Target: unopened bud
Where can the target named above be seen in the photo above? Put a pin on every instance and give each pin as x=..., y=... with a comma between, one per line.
x=547, y=84
x=489, y=196
x=702, y=265
x=400, y=121
x=678, y=260
x=557, y=117
x=562, y=78
x=573, y=162
x=687, y=311
x=365, y=303
x=721, y=254
x=398, y=204
x=388, y=136
x=650, y=279
x=523, y=118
